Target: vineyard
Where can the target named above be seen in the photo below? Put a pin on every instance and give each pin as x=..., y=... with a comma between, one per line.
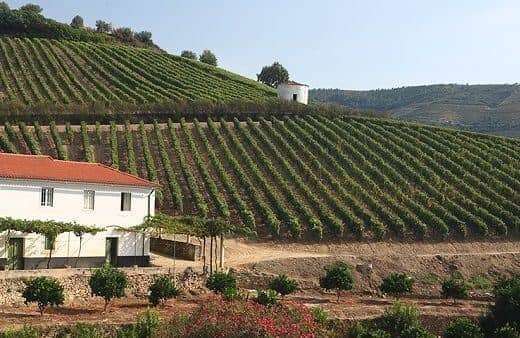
x=44, y=71
x=304, y=177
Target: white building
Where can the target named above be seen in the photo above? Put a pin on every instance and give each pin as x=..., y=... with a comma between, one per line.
x=293, y=91
x=90, y=194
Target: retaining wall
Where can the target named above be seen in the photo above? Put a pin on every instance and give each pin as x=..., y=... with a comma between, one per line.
x=75, y=282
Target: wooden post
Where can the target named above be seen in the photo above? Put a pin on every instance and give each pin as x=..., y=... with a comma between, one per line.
x=216, y=251
x=211, y=255
x=204, y=254
x=221, y=264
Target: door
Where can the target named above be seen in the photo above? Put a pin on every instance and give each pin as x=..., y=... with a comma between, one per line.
x=111, y=251
x=15, y=254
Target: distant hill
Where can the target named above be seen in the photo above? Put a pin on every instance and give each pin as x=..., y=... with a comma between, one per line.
x=483, y=108
x=37, y=72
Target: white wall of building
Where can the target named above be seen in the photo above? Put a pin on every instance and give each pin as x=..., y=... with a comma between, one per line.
x=21, y=199
x=287, y=91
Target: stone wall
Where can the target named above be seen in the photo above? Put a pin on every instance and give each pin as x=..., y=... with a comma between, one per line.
x=75, y=282
x=183, y=250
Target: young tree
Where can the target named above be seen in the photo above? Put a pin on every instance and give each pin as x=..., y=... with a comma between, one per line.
x=338, y=277
x=77, y=22
x=399, y=318
x=103, y=26
x=396, y=284
x=108, y=282
x=273, y=75
x=162, y=289
x=454, y=288
x=45, y=291
x=31, y=8
x=144, y=36
x=189, y=54
x=283, y=285
x=208, y=57
x=463, y=328
x=219, y=282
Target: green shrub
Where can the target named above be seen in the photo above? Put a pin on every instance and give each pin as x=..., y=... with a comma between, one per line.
x=231, y=293
x=218, y=282
x=43, y=290
x=480, y=283
x=506, y=332
x=463, y=328
x=267, y=297
x=361, y=331
x=108, y=282
x=283, y=285
x=24, y=332
x=416, y=332
x=396, y=284
x=398, y=318
x=429, y=279
x=454, y=288
x=506, y=309
x=320, y=316
x=162, y=289
x=147, y=325
x=83, y=330
x=337, y=277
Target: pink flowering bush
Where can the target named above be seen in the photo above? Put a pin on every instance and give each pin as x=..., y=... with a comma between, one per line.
x=241, y=318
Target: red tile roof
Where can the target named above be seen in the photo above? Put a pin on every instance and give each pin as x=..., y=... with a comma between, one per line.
x=41, y=167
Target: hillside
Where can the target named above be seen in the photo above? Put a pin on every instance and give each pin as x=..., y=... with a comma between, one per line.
x=45, y=72
x=310, y=177
x=482, y=108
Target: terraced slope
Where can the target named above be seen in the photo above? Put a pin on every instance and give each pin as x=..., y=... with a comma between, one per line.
x=309, y=177
x=42, y=71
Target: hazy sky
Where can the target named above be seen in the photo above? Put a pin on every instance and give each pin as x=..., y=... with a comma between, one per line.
x=340, y=44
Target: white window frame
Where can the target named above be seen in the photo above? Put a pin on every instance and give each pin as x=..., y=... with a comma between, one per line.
x=89, y=199
x=47, y=197
x=123, y=206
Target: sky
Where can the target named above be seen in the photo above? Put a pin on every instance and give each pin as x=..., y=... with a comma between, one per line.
x=329, y=43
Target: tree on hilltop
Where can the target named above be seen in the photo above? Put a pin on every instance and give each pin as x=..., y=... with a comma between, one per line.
x=4, y=7
x=144, y=36
x=123, y=34
x=103, y=26
x=188, y=54
x=273, y=75
x=208, y=57
x=32, y=8
x=77, y=22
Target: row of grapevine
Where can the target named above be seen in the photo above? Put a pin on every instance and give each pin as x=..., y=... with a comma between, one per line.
x=114, y=150
x=423, y=176
x=62, y=72
x=308, y=177
x=386, y=176
x=217, y=196
x=246, y=215
x=173, y=185
x=268, y=216
x=32, y=143
x=287, y=141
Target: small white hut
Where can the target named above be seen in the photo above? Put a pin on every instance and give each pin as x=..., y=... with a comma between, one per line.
x=293, y=91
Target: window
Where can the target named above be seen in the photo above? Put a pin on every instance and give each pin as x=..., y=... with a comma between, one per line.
x=49, y=242
x=126, y=201
x=88, y=199
x=47, y=197
x=295, y=97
